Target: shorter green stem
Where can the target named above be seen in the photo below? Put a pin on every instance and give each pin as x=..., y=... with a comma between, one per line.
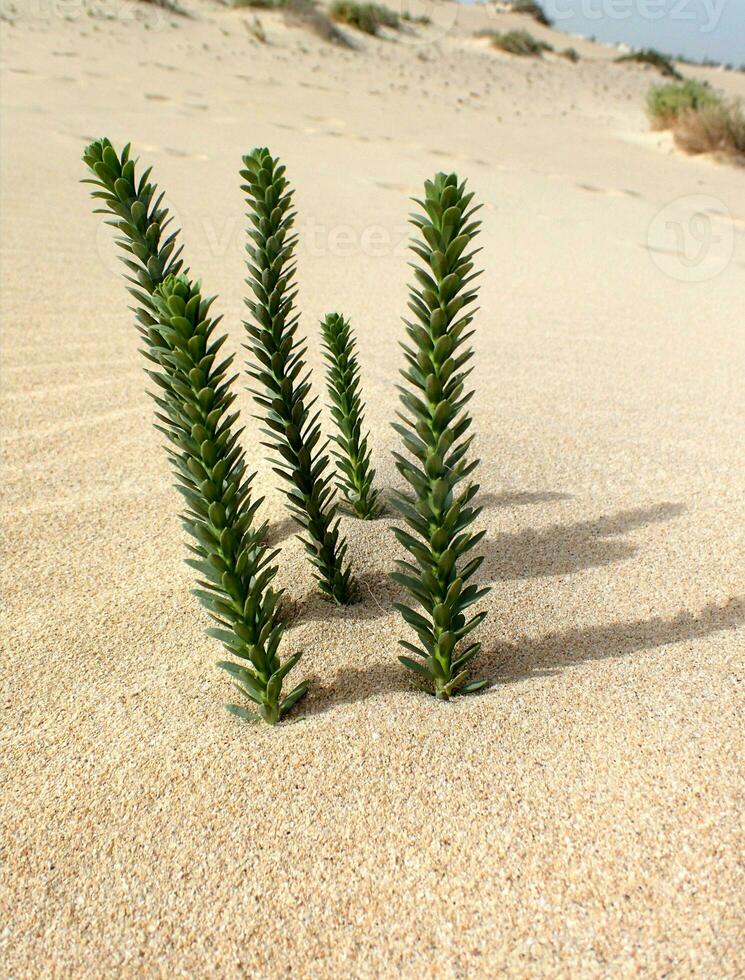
x=356, y=475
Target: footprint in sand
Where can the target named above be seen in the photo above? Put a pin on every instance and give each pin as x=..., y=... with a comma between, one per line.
x=173, y=151
x=609, y=191
x=398, y=188
x=327, y=121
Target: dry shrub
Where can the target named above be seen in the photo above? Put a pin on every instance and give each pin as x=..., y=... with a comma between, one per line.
x=532, y=9
x=516, y=42
x=648, y=56
x=717, y=128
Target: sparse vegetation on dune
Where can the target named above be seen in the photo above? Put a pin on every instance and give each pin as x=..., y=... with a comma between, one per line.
x=532, y=9
x=570, y=54
x=172, y=6
x=700, y=119
x=717, y=128
x=422, y=19
x=648, y=56
x=306, y=12
x=517, y=42
x=365, y=17
x=666, y=103
x=256, y=30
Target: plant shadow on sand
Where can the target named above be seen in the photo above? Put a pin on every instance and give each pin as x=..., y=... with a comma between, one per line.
x=563, y=549
x=560, y=549
x=556, y=550
x=545, y=656
x=281, y=530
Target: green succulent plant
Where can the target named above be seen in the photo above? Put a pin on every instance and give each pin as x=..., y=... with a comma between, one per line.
x=235, y=566
x=193, y=400
x=434, y=429
x=282, y=382
x=356, y=474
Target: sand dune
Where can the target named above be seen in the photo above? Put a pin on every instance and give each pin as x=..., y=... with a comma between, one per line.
x=582, y=817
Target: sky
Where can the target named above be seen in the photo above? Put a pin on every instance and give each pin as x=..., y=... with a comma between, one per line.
x=697, y=29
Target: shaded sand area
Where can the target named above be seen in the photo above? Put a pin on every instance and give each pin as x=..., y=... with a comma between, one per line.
x=583, y=817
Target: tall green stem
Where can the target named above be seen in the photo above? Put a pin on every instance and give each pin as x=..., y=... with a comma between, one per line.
x=278, y=368
x=433, y=429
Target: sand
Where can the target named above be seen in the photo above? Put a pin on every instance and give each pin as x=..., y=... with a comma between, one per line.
x=583, y=817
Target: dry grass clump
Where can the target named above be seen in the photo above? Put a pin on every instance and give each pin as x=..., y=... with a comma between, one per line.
x=571, y=54
x=700, y=119
x=718, y=128
x=517, y=42
x=422, y=19
x=172, y=6
x=305, y=12
x=256, y=30
x=365, y=17
x=532, y=9
x=648, y=56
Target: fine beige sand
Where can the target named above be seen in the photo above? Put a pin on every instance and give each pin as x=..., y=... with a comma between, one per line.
x=583, y=817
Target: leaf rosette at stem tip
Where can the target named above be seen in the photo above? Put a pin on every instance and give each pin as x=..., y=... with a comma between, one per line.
x=353, y=458
x=194, y=399
x=135, y=209
x=282, y=382
x=434, y=428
